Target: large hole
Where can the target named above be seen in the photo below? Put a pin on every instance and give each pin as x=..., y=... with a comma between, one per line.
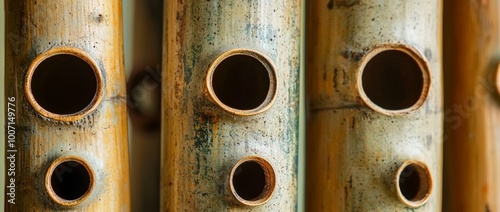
x=70, y=180
x=249, y=180
x=414, y=183
x=252, y=181
x=64, y=84
x=241, y=82
x=393, y=80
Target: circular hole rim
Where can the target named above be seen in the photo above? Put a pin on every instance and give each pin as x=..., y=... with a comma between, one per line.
x=272, y=74
x=48, y=181
x=496, y=79
x=423, y=170
x=269, y=186
x=424, y=69
x=64, y=51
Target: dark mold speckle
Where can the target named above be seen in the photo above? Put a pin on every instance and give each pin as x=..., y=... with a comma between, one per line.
x=346, y=3
x=99, y=18
x=351, y=55
x=428, y=54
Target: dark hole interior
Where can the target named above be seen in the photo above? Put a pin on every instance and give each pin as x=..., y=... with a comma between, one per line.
x=393, y=80
x=64, y=84
x=241, y=82
x=410, y=182
x=249, y=180
x=70, y=180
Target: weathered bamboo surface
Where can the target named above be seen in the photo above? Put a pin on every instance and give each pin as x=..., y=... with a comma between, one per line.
x=374, y=87
x=215, y=138
x=64, y=67
x=472, y=106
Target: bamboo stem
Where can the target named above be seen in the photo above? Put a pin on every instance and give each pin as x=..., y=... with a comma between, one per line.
x=230, y=91
x=65, y=69
x=472, y=49
x=374, y=91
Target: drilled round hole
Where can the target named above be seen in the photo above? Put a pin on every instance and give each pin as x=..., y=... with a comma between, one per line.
x=394, y=79
x=414, y=183
x=249, y=180
x=69, y=181
x=252, y=181
x=242, y=82
x=63, y=83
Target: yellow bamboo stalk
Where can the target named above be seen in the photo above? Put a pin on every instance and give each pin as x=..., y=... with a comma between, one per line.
x=230, y=105
x=472, y=113
x=374, y=139
x=64, y=74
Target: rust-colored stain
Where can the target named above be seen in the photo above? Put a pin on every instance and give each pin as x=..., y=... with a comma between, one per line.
x=204, y=136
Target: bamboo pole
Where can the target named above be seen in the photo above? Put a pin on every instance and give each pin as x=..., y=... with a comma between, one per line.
x=64, y=73
x=374, y=139
x=230, y=98
x=472, y=113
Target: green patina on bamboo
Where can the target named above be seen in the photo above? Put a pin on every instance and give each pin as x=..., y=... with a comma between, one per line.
x=202, y=141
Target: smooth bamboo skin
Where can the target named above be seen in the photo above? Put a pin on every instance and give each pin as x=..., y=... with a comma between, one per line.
x=100, y=137
x=201, y=142
x=472, y=118
x=353, y=151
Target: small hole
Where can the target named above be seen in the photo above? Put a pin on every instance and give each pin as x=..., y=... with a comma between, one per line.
x=64, y=84
x=252, y=181
x=393, y=80
x=241, y=82
x=249, y=180
x=414, y=183
x=70, y=181
x=409, y=182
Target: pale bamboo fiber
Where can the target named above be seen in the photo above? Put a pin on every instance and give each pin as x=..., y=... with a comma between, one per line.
x=83, y=37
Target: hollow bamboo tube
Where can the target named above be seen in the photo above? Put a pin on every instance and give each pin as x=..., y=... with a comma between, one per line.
x=374, y=139
x=64, y=68
x=472, y=106
x=230, y=98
